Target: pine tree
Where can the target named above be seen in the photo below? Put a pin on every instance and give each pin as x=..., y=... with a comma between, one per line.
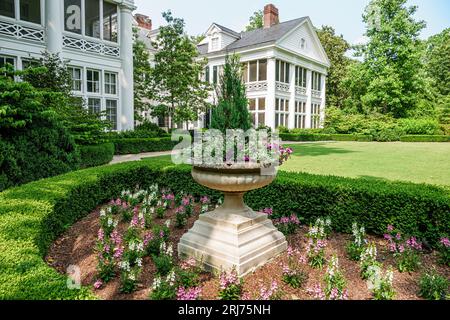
x=231, y=111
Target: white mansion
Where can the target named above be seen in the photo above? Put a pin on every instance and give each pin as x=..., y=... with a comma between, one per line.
x=94, y=36
x=285, y=68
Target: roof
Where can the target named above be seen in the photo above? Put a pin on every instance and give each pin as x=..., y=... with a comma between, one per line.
x=227, y=30
x=258, y=36
x=144, y=35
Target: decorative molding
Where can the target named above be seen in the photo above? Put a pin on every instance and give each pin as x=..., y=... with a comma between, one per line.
x=21, y=32
x=281, y=86
x=300, y=91
x=316, y=94
x=90, y=46
x=257, y=86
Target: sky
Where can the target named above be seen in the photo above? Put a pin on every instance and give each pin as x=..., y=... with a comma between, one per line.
x=343, y=15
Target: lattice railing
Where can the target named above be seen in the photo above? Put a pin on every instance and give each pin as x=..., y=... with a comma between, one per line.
x=300, y=90
x=257, y=86
x=21, y=32
x=90, y=46
x=281, y=86
x=316, y=93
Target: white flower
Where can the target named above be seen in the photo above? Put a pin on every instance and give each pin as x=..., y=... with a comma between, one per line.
x=156, y=283
x=167, y=223
x=102, y=213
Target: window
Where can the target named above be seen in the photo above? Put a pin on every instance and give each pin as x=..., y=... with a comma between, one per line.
x=7, y=8
x=29, y=63
x=257, y=108
x=30, y=10
x=302, y=43
x=255, y=71
x=72, y=16
x=110, y=22
x=111, y=113
x=110, y=83
x=93, y=81
x=262, y=73
x=300, y=77
x=315, y=116
x=281, y=112
x=215, y=75
x=7, y=60
x=207, y=74
x=300, y=114
x=92, y=18
x=77, y=79
x=215, y=42
x=282, y=71
x=94, y=105
x=316, y=81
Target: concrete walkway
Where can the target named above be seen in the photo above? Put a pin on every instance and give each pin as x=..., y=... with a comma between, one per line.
x=140, y=156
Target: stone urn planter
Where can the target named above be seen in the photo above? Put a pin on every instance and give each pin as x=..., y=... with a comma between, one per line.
x=233, y=235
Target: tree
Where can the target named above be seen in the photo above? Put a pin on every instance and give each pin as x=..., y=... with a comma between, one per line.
x=52, y=79
x=335, y=46
x=391, y=78
x=437, y=61
x=142, y=75
x=256, y=21
x=232, y=109
x=176, y=81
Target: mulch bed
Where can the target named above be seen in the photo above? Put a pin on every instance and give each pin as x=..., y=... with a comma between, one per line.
x=76, y=247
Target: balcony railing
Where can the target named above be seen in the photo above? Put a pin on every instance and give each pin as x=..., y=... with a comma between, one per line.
x=300, y=90
x=316, y=93
x=256, y=86
x=281, y=86
x=90, y=46
x=19, y=31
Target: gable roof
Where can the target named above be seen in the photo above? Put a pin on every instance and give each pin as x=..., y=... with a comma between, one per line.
x=265, y=35
x=228, y=30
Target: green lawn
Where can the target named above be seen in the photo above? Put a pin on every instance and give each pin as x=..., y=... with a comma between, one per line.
x=415, y=162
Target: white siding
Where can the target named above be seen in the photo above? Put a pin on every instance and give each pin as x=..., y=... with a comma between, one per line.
x=293, y=42
x=226, y=40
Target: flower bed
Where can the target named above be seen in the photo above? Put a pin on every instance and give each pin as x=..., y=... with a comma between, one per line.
x=33, y=215
x=126, y=250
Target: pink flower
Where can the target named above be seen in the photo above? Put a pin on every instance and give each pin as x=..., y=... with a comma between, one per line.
x=188, y=264
x=388, y=237
x=445, y=242
x=147, y=238
x=161, y=234
x=118, y=252
x=317, y=292
x=398, y=236
x=118, y=202
x=180, y=209
x=392, y=247
x=98, y=284
x=100, y=235
x=204, y=200
x=268, y=211
x=290, y=251
x=401, y=248
x=390, y=228
x=227, y=279
x=186, y=201
x=188, y=294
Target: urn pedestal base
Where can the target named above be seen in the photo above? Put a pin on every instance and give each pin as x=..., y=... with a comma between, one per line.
x=232, y=236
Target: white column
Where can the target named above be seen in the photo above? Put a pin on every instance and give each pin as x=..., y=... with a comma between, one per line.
x=54, y=25
x=291, y=124
x=126, y=73
x=270, y=99
x=308, y=98
x=323, y=101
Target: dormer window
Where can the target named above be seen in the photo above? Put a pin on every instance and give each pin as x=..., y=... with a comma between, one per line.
x=303, y=43
x=215, y=42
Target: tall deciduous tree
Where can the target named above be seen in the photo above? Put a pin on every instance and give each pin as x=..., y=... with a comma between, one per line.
x=391, y=79
x=232, y=109
x=256, y=21
x=437, y=61
x=142, y=76
x=335, y=46
x=176, y=81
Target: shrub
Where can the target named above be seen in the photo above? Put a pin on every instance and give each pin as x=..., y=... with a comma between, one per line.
x=304, y=137
x=230, y=286
x=433, y=286
x=134, y=146
x=419, y=126
x=424, y=138
x=444, y=251
x=96, y=155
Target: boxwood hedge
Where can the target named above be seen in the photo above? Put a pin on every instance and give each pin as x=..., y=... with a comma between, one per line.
x=424, y=138
x=96, y=155
x=138, y=145
x=33, y=215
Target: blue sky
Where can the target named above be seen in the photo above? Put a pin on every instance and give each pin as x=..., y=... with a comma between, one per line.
x=343, y=15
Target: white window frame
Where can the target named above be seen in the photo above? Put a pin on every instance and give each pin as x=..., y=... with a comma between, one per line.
x=80, y=80
x=83, y=22
x=300, y=114
x=17, y=17
x=315, y=115
x=95, y=98
x=301, y=78
x=280, y=112
x=286, y=71
x=117, y=112
x=99, y=92
x=258, y=111
x=110, y=84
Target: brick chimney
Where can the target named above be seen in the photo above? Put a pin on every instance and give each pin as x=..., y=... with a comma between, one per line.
x=143, y=21
x=270, y=16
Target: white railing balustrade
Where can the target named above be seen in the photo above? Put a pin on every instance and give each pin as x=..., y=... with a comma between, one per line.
x=281, y=86
x=256, y=86
x=300, y=91
x=21, y=32
x=90, y=46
